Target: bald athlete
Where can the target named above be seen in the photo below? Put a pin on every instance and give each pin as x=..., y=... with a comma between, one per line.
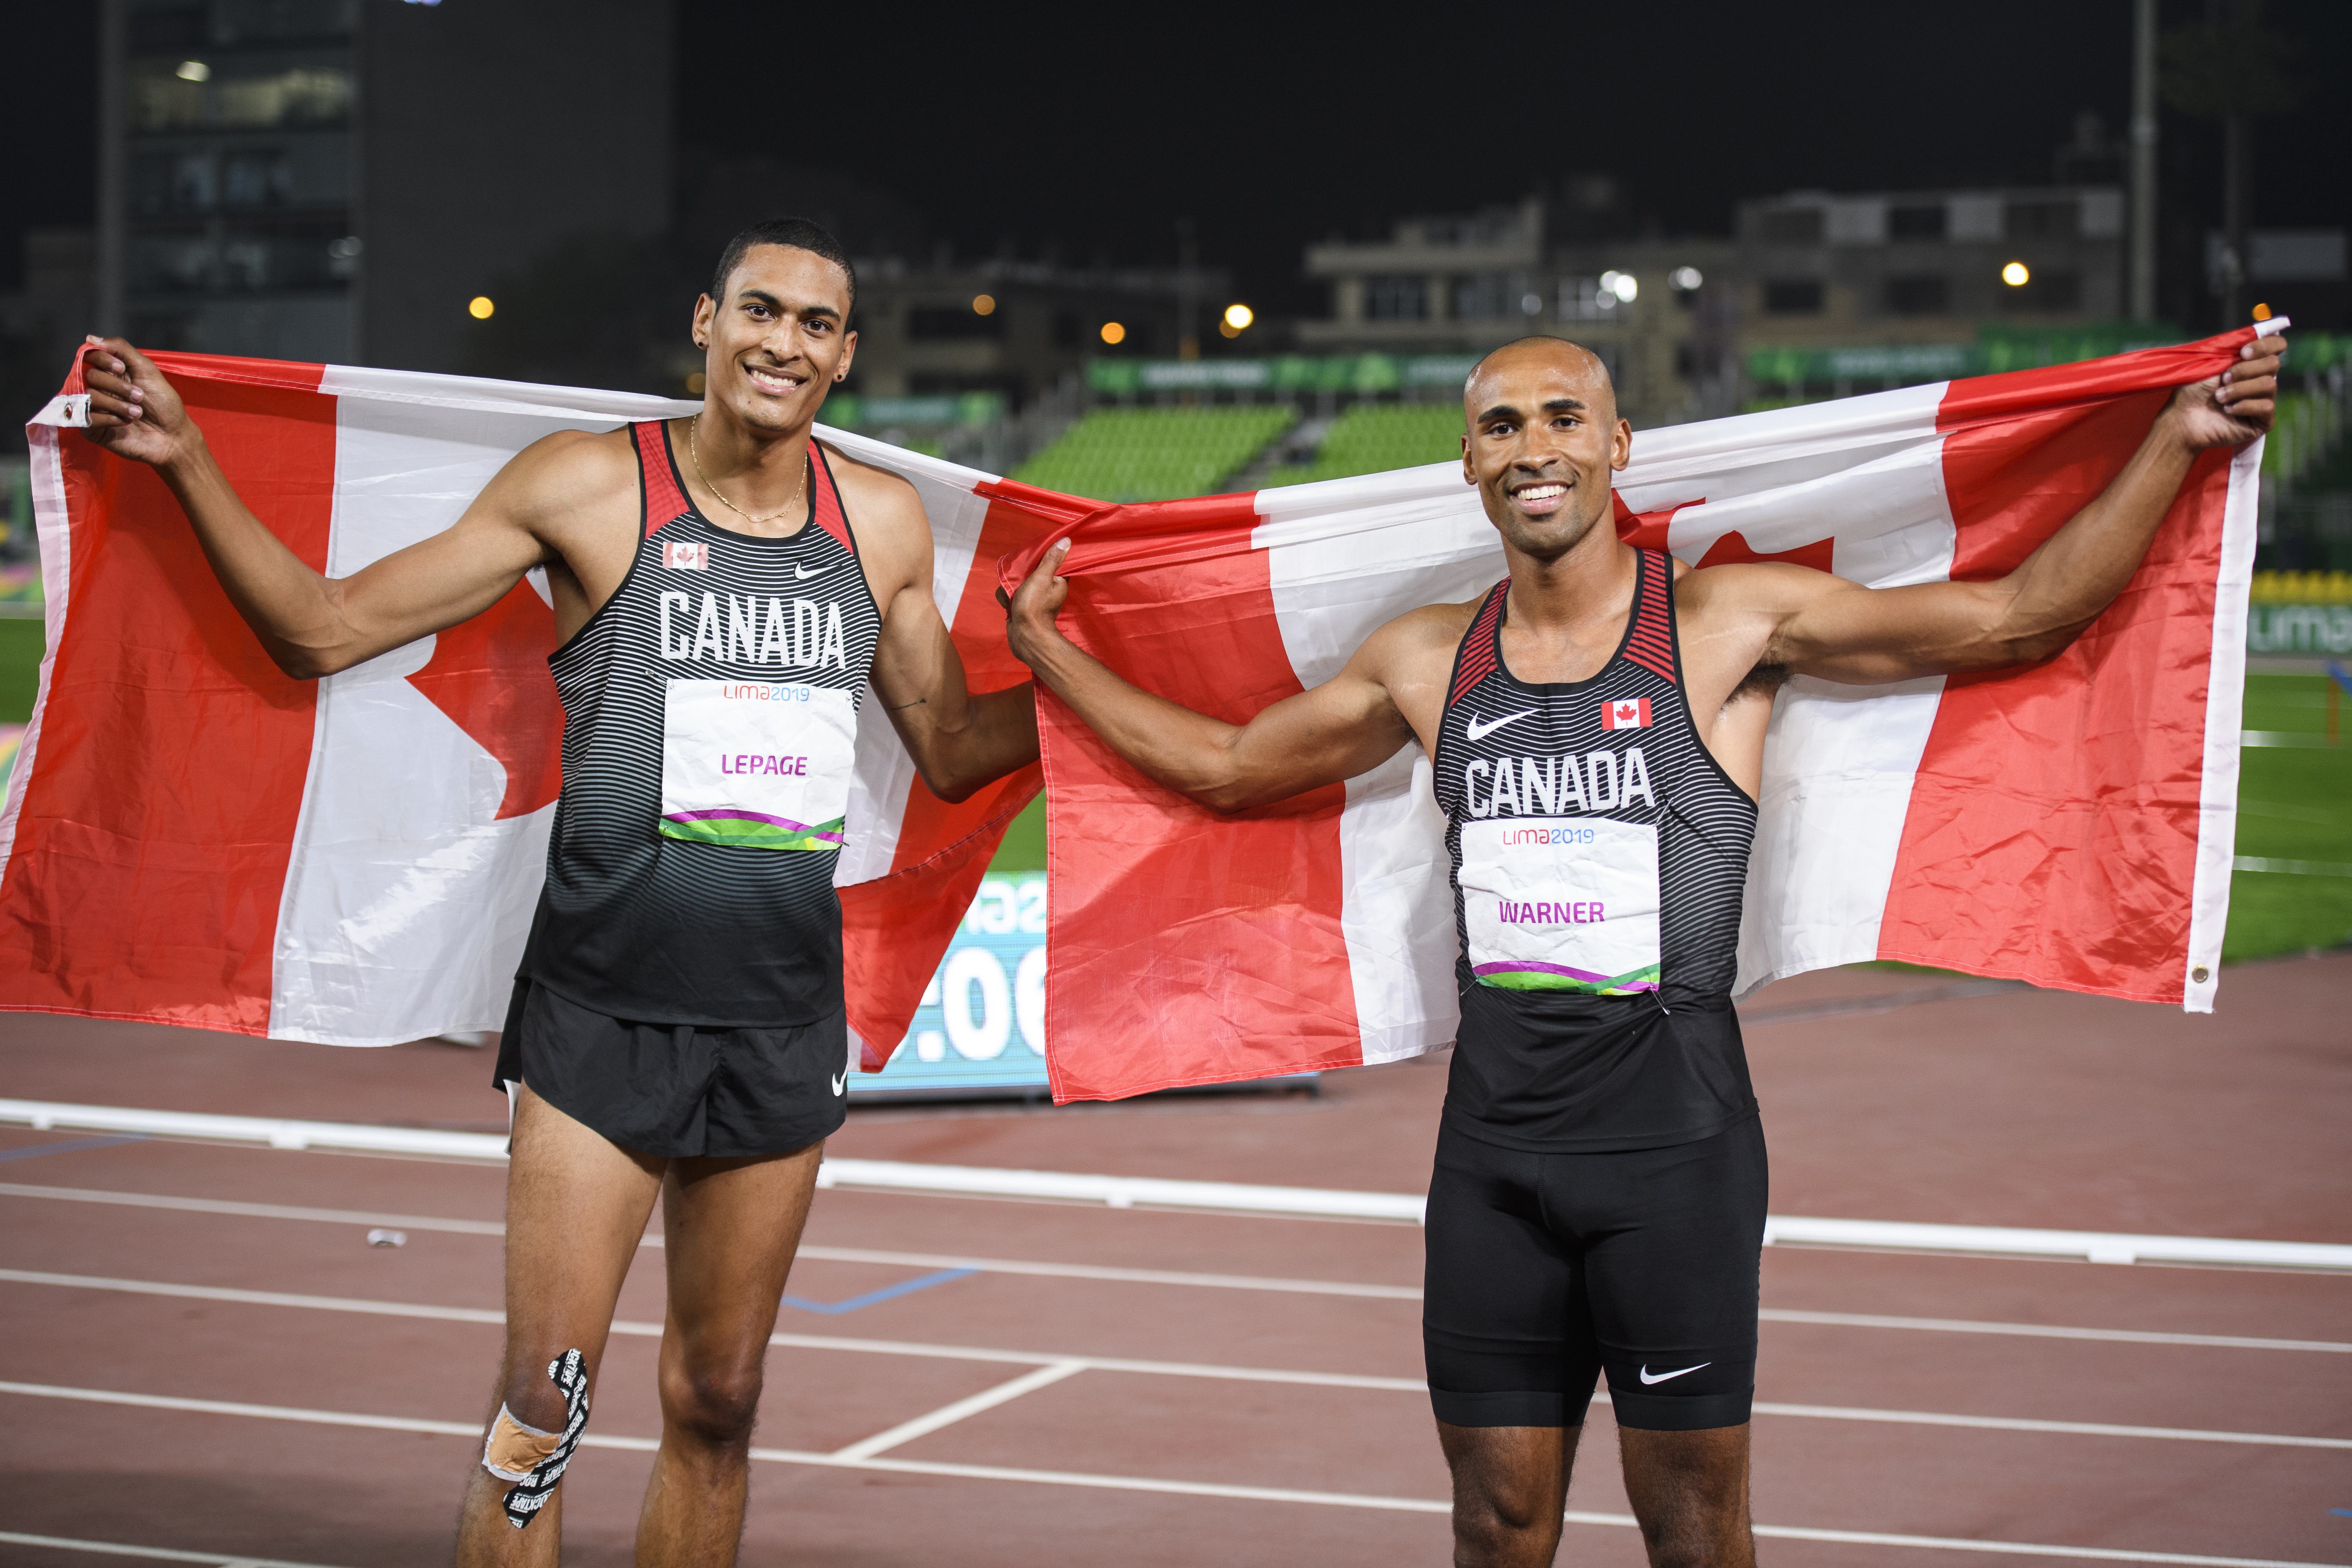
x=1596, y=726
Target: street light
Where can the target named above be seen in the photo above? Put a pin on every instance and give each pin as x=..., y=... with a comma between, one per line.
x=2016, y=275
x=983, y=304
x=479, y=307
x=1112, y=332
x=1239, y=316
x=1685, y=280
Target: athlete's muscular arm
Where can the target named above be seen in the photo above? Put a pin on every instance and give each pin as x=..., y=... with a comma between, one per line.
x=1349, y=724
x=1817, y=625
x=958, y=740
x=312, y=624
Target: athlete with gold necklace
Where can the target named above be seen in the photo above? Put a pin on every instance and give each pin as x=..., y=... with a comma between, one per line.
x=678, y=1030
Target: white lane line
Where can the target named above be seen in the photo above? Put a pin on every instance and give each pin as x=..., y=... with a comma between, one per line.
x=1044, y=1360
x=948, y=1415
x=153, y=1553
x=254, y=1211
x=2070, y=1428
x=1211, y=1197
x=1133, y=1483
x=363, y=1218
x=2047, y=1331
x=2018, y=1549
x=1120, y=1275
x=642, y=1329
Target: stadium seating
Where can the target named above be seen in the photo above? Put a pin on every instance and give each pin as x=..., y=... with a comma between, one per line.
x=1372, y=437
x=2302, y=588
x=1155, y=454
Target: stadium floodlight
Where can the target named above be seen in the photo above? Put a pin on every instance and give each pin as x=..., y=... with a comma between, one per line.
x=479, y=307
x=1685, y=280
x=194, y=70
x=2016, y=275
x=1238, y=316
x=1621, y=284
x=983, y=304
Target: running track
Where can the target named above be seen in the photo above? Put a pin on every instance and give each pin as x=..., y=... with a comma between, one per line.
x=200, y=1356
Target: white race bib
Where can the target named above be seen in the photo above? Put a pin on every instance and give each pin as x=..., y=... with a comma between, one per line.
x=756, y=765
x=1561, y=903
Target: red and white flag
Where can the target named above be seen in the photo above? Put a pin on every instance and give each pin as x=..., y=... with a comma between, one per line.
x=2069, y=822
x=192, y=837
x=1632, y=713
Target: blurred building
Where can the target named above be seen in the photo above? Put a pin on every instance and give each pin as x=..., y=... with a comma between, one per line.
x=1929, y=266
x=1016, y=329
x=1568, y=263
x=339, y=180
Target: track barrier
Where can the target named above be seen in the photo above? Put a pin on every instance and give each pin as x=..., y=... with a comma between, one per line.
x=1211, y=1197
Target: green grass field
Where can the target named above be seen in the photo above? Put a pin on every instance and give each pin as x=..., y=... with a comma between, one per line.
x=2294, y=803
x=20, y=669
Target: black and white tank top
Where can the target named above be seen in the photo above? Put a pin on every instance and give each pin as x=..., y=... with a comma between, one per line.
x=1600, y=854
x=711, y=717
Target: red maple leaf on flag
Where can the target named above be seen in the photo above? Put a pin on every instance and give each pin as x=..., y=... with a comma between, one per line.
x=490, y=676
x=1647, y=530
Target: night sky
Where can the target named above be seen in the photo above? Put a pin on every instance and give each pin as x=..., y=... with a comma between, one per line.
x=1272, y=126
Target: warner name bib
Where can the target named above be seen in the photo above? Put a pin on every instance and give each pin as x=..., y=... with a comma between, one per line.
x=1561, y=903
x=756, y=765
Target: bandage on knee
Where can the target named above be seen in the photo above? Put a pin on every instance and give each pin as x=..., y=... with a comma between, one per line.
x=513, y=1450
x=532, y=1459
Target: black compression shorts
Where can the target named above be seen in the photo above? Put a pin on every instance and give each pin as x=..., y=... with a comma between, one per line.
x=676, y=1091
x=1545, y=1270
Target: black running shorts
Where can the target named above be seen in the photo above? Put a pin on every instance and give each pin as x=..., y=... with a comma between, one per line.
x=676, y=1091
x=1544, y=1270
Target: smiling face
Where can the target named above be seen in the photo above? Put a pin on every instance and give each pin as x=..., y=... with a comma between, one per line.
x=1544, y=437
x=777, y=340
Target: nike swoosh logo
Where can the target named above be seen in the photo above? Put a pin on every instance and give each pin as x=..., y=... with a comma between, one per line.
x=803, y=574
x=1480, y=731
x=840, y=1082
x=1670, y=1376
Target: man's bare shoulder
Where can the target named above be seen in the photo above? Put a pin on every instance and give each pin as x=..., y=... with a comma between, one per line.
x=1420, y=643
x=870, y=491
x=1750, y=587
x=566, y=475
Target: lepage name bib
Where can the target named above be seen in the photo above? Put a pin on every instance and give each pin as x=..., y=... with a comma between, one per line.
x=756, y=765
x=1561, y=903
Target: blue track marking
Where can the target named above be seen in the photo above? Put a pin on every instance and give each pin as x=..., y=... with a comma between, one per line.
x=888, y=1292
x=71, y=1146
x=2341, y=1513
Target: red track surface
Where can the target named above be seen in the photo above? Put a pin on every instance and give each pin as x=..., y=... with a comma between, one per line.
x=2005, y=1108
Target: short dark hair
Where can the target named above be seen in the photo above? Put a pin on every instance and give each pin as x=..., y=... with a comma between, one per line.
x=797, y=232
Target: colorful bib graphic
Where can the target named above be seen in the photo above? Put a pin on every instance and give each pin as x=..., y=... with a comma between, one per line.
x=756, y=765
x=1561, y=903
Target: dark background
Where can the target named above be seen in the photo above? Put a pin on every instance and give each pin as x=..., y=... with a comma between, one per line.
x=1089, y=134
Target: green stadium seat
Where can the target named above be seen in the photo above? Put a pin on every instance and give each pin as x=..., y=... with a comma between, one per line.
x=1155, y=454
x=1373, y=438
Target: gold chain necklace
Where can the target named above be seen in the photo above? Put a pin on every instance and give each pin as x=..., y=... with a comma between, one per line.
x=696, y=458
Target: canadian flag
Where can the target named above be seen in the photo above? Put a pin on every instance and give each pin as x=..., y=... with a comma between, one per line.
x=190, y=836
x=1630, y=713
x=2069, y=822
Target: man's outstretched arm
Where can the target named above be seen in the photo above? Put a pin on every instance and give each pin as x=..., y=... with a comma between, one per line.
x=1822, y=625
x=959, y=739
x=311, y=625
x=1349, y=724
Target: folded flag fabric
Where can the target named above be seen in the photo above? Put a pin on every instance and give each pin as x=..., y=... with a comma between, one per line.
x=192, y=837
x=2069, y=822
